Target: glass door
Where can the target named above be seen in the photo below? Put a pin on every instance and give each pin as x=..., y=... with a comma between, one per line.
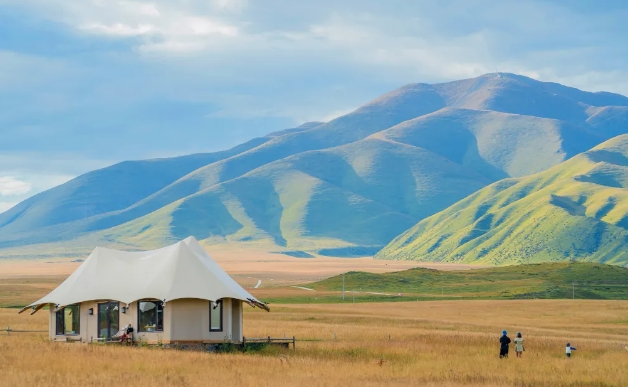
x=108, y=319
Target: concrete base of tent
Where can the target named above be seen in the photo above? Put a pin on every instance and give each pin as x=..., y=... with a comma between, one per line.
x=185, y=321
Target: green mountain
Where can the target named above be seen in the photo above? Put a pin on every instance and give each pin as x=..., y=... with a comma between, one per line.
x=344, y=195
x=343, y=187
x=577, y=210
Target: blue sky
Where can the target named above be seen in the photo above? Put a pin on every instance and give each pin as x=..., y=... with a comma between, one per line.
x=87, y=83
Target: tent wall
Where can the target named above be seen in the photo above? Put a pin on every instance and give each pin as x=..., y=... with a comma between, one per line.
x=51, y=322
x=190, y=321
x=185, y=320
x=236, y=320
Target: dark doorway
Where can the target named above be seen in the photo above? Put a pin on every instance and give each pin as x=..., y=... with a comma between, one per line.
x=108, y=319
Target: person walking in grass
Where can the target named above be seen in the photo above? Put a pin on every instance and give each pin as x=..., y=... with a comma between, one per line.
x=568, y=350
x=504, y=342
x=519, y=345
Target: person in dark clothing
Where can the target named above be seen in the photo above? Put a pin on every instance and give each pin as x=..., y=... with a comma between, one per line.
x=504, y=342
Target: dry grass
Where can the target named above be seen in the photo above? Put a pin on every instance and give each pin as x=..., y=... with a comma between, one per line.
x=452, y=343
x=19, y=291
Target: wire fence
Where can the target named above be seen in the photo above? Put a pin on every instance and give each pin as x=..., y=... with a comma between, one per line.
x=8, y=330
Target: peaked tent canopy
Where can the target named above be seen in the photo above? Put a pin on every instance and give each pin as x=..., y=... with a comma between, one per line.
x=182, y=270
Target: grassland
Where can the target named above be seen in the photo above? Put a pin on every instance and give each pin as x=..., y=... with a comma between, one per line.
x=546, y=280
x=444, y=343
x=287, y=280
x=580, y=280
x=430, y=343
x=24, y=281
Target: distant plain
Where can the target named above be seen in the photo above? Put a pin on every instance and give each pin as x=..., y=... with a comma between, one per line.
x=25, y=280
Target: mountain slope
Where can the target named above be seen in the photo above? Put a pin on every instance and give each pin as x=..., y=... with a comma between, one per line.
x=380, y=114
x=455, y=138
x=343, y=196
x=495, y=144
x=577, y=210
x=112, y=188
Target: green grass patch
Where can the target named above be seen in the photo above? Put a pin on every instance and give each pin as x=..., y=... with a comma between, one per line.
x=580, y=280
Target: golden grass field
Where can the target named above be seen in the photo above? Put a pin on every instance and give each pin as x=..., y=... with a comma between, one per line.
x=441, y=343
x=436, y=343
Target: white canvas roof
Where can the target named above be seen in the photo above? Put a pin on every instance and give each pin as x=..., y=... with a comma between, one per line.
x=182, y=270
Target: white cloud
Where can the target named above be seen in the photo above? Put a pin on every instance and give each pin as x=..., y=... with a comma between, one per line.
x=161, y=25
x=230, y=5
x=118, y=29
x=10, y=186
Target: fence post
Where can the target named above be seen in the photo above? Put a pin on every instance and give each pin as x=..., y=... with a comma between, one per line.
x=294, y=343
x=8, y=330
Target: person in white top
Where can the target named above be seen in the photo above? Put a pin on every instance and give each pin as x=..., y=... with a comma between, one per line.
x=519, y=345
x=568, y=349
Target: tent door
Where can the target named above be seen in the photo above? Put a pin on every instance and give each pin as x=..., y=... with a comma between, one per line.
x=108, y=319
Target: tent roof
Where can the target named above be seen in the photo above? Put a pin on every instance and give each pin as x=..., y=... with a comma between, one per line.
x=182, y=270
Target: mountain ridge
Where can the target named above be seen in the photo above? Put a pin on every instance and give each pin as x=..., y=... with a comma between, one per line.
x=390, y=163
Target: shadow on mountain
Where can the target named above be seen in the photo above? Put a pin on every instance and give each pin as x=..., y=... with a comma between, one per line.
x=611, y=157
x=350, y=252
x=569, y=205
x=261, y=203
x=203, y=216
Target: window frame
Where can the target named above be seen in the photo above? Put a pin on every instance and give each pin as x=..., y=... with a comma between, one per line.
x=60, y=321
x=108, y=314
x=220, y=306
x=139, y=312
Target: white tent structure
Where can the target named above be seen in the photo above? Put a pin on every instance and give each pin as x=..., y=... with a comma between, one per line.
x=176, y=293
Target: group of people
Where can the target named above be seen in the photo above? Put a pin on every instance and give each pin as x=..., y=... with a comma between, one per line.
x=505, y=341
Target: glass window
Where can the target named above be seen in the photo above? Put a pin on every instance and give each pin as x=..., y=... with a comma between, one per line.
x=60, y=330
x=69, y=321
x=150, y=316
x=215, y=316
x=108, y=319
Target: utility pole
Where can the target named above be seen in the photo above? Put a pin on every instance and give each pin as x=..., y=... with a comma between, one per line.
x=343, y=286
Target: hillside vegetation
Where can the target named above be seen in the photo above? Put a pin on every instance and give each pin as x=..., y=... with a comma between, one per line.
x=548, y=280
x=344, y=187
x=577, y=210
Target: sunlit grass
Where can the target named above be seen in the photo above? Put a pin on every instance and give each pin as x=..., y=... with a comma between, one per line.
x=445, y=343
